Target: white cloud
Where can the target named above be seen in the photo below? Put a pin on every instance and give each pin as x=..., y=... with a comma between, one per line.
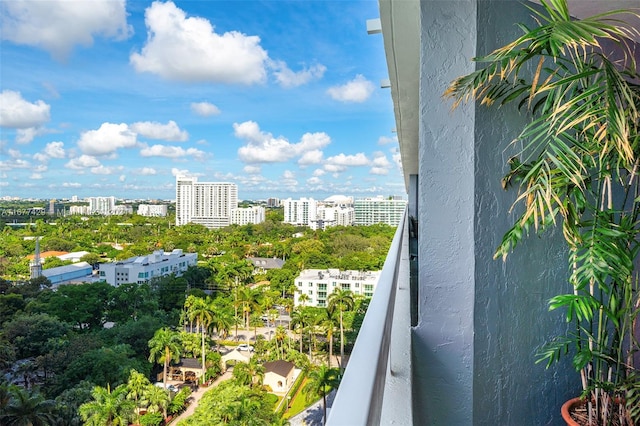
x=204, y=109
x=357, y=90
x=178, y=172
x=380, y=160
x=288, y=174
x=14, y=153
x=58, y=25
x=35, y=176
x=122, y=178
x=262, y=147
x=40, y=168
x=82, y=162
x=358, y=159
x=102, y=170
x=14, y=164
x=318, y=172
x=24, y=136
x=314, y=181
x=71, y=185
x=252, y=170
x=188, y=49
x=311, y=157
x=107, y=139
x=154, y=130
x=55, y=149
x=147, y=171
x=51, y=150
x=384, y=140
x=16, y=112
x=171, y=152
x=380, y=171
x=288, y=78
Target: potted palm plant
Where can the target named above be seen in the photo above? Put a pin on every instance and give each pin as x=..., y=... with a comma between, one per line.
x=576, y=166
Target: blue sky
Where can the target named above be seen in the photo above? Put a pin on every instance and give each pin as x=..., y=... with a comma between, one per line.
x=107, y=97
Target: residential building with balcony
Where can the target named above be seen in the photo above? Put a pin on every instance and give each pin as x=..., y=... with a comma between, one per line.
x=206, y=203
x=451, y=334
x=374, y=210
x=318, y=284
x=140, y=269
x=299, y=212
x=247, y=215
x=101, y=205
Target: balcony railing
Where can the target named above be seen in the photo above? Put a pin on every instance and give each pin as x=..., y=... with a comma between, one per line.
x=376, y=387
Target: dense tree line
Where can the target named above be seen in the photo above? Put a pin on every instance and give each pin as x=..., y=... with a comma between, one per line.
x=54, y=344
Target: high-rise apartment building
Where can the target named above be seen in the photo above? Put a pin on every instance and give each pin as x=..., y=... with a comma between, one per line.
x=299, y=212
x=369, y=211
x=207, y=203
x=273, y=202
x=102, y=205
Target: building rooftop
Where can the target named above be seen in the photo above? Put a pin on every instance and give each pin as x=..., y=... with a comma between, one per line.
x=279, y=367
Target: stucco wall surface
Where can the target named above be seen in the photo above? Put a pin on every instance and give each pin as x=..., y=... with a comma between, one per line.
x=480, y=320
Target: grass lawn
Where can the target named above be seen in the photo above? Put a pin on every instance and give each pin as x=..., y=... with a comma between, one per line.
x=298, y=403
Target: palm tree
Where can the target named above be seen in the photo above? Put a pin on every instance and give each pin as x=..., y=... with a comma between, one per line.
x=137, y=385
x=203, y=312
x=221, y=323
x=299, y=318
x=158, y=399
x=164, y=346
x=342, y=300
x=24, y=408
x=575, y=166
x=280, y=336
x=321, y=381
x=328, y=323
x=108, y=408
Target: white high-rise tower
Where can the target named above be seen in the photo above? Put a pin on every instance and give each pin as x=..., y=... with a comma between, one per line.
x=207, y=203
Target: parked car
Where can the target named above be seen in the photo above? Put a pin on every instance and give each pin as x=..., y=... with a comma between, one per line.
x=170, y=387
x=245, y=347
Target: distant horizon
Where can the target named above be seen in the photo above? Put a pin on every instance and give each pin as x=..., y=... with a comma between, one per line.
x=119, y=97
x=172, y=200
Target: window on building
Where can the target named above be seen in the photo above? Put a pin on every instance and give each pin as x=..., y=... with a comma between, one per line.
x=345, y=286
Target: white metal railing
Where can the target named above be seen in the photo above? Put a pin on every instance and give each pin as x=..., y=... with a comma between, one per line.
x=376, y=387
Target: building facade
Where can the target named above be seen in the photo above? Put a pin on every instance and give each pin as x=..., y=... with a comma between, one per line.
x=475, y=323
x=374, y=210
x=140, y=269
x=327, y=216
x=206, y=203
x=318, y=284
x=153, y=210
x=102, y=205
x=299, y=212
x=247, y=215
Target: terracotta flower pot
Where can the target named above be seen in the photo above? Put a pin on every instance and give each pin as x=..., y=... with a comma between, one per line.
x=566, y=410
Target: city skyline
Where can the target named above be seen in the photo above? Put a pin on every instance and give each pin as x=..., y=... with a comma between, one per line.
x=281, y=98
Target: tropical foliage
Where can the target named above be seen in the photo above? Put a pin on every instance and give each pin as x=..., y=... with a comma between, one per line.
x=576, y=167
x=62, y=344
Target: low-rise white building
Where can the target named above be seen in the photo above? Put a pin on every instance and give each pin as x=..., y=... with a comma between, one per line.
x=153, y=210
x=140, y=269
x=247, y=215
x=317, y=284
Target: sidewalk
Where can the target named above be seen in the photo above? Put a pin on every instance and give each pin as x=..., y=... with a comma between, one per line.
x=312, y=416
x=199, y=393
